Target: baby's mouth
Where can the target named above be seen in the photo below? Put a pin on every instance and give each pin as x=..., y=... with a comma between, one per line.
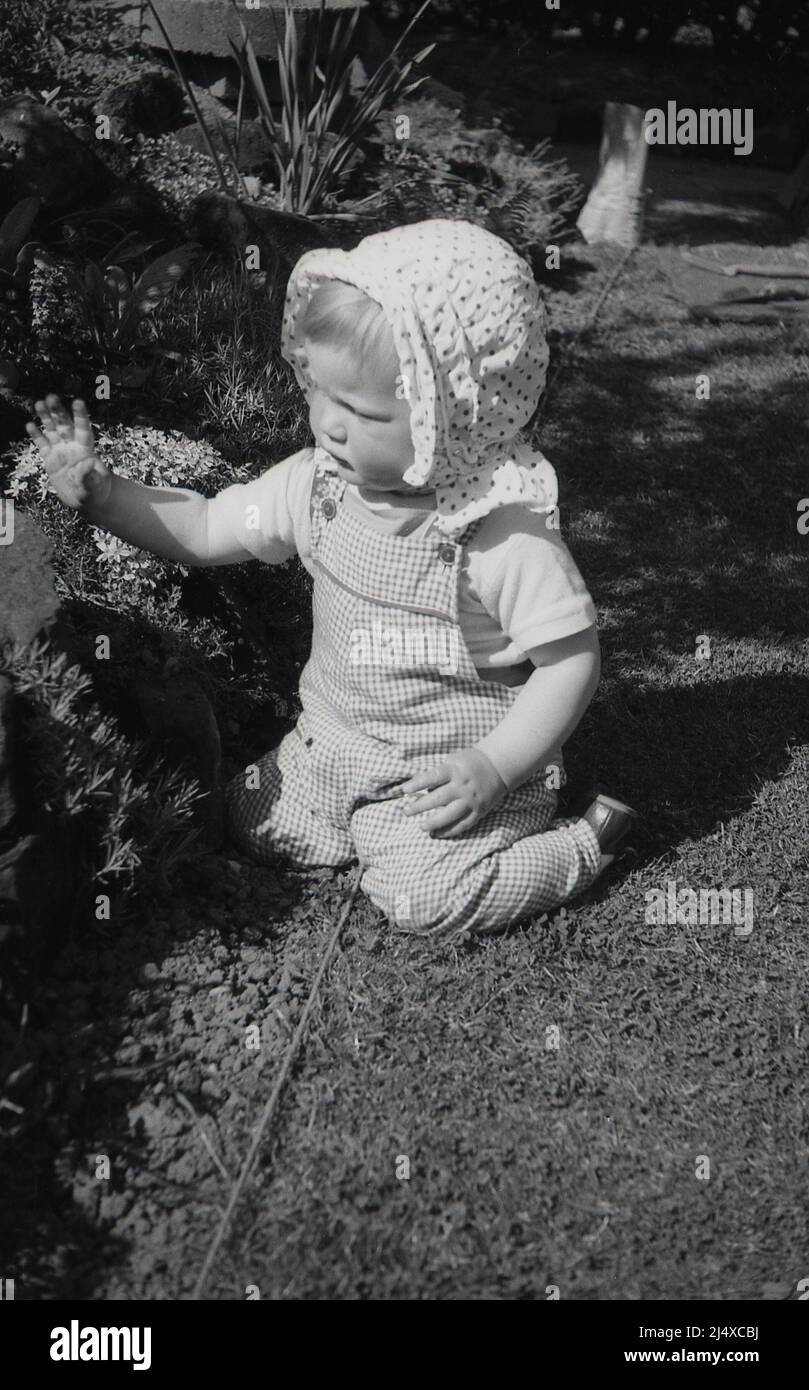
x=337, y=459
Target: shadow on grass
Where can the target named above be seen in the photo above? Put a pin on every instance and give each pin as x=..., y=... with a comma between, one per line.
x=683, y=517
x=690, y=758
x=682, y=513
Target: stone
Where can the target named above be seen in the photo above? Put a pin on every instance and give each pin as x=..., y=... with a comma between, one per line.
x=253, y=153
x=47, y=161
x=151, y=101
x=29, y=600
x=204, y=26
x=441, y=93
x=219, y=220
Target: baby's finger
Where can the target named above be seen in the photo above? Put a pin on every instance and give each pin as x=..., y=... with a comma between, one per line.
x=447, y=819
x=38, y=437
x=429, y=801
x=83, y=428
x=61, y=417
x=48, y=423
x=425, y=781
x=459, y=827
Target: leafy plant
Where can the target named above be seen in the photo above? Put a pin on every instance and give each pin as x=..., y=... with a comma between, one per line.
x=445, y=170
x=323, y=121
x=239, y=626
x=106, y=570
x=135, y=812
x=232, y=382
x=112, y=306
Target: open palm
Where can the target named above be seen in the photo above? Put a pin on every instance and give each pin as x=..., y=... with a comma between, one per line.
x=66, y=447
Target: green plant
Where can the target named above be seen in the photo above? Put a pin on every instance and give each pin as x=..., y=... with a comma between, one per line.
x=111, y=308
x=323, y=122
x=101, y=568
x=445, y=170
x=231, y=381
x=29, y=47
x=133, y=811
x=241, y=627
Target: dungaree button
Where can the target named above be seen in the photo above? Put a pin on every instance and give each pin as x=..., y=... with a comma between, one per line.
x=329, y=508
x=446, y=553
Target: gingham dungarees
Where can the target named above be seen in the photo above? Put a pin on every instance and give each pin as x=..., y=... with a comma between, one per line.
x=390, y=689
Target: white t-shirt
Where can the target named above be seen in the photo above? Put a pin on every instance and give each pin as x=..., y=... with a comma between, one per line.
x=519, y=583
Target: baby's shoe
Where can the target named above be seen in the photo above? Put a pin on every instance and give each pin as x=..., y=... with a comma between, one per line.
x=611, y=820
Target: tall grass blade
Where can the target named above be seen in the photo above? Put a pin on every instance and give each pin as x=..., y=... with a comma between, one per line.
x=194, y=104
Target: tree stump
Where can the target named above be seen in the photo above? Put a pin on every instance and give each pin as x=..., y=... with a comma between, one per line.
x=614, y=208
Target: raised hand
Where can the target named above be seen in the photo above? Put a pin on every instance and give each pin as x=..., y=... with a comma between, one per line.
x=65, y=442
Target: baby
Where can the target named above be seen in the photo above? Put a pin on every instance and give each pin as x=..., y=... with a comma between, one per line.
x=454, y=647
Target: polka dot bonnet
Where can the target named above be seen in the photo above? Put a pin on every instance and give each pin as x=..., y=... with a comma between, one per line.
x=469, y=330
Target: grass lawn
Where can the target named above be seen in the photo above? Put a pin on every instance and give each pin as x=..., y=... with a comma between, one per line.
x=592, y=1103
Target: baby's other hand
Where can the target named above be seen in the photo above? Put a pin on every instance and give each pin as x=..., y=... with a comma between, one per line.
x=457, y=793
x=65, y=443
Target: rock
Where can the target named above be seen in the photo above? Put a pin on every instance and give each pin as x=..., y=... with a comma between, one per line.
x=444, y=95
x=253, y=153
x=151, y=101
x=29, y=600
x=204, y=26
x=47, y=161
x=221, y=221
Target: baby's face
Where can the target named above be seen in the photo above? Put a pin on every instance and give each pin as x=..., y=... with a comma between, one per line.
x=356, y=417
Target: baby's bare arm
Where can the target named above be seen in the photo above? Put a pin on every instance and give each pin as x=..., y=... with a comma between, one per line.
x=459, y=792
x=170, y=522
x=548, y=708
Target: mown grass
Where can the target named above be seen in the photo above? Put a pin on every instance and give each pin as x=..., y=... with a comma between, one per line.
x=531, y=1165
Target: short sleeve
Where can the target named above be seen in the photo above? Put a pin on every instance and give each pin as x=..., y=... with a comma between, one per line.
x=266, y=519
x=524, y=576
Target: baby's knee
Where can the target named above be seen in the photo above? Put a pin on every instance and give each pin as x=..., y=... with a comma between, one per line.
x=249, y=798
x=436, y=903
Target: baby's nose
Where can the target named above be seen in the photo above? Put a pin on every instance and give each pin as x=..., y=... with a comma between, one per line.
x=324, y=417
x=332, y=425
